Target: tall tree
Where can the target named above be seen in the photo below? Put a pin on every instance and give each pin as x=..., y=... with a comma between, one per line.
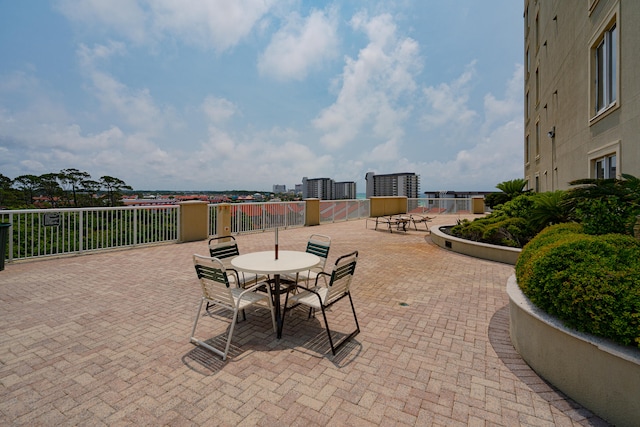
x=28, y=185
x=50, y=187
x=7, y=194
x=91, y=189
x=114, y=187
x=73, y=178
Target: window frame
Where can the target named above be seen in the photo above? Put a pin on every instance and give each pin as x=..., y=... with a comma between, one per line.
x=605, y=154
x=604, y=57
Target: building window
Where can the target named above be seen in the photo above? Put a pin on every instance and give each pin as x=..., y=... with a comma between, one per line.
x=537, y=139
x=605, y=167
x=527, y=105
x=526, y=149
x=537, y=30
x=537, y=86
x=605, y=67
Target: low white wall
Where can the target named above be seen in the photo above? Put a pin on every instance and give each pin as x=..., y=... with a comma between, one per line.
x=503, y=254
x=600, y=375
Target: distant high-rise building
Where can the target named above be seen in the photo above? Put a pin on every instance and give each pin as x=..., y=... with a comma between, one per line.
x=393, y=184
x=317, y=188
x=344, y=190
x=298, y=188
x=278, y=188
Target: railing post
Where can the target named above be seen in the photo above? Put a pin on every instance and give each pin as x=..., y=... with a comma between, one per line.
x=81, y=231
x=194, y=218
x=223, y=219
x=135, y=225
x=312, y=212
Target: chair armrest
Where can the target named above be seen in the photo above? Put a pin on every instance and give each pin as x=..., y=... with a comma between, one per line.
x=322, y=273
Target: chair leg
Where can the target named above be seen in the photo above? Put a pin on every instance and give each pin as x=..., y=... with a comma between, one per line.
x=233, y=324
x=326, y=324
x=271, y=309
x=195, y=323
x=196, y=341
x=334, y=348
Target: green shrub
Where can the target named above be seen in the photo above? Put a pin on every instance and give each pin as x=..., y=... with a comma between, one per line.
x=507, y=232
x=506, y=225
x=592, y=283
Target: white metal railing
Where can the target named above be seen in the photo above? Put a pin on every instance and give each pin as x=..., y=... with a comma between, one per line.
x=343, y=210
x=253, y=217
x=46, y=232
x=440, y=206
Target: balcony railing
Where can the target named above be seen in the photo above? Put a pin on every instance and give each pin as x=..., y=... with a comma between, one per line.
x=253, y=217
x=438, y=206
x=343, y=210
x=48, y=232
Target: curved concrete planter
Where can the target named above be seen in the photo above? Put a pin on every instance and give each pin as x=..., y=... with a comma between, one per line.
x=596, y=373
x=503, y=254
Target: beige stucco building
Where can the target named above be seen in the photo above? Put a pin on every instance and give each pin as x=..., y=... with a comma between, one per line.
x=582, y=91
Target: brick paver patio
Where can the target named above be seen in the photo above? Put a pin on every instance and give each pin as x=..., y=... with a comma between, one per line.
x=103, y=339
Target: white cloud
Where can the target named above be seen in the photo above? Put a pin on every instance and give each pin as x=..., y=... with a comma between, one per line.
x=496, y=109
x=241, y=160
x=127, y=18
x=492, y=151
x=371, y=85
x=447, y=103
x=216, y=24
x=300, y=45
x=136, y=106
x=218, y=110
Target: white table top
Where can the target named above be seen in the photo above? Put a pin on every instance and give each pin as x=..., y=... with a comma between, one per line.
x=265, y=262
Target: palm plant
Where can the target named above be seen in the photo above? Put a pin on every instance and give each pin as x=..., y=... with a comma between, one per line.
x=605, y=205
x=549, y=208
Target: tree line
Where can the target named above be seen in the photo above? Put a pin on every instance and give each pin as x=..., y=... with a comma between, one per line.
x=67, y=188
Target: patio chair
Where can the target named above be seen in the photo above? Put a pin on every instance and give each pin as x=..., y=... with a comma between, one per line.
x=319, y=245
x=418, y=218
x=218, y=290
x=225, y=248
x=321, y=298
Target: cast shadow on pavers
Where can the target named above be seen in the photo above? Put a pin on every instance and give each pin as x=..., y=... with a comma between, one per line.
x=501, y=342
x=256, y=334
x=309, y=336
x=206, y=362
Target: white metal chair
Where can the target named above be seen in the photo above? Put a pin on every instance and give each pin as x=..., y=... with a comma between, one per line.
x=321, y=297
x=319, y=245
x=225, y=248
x=218, y=290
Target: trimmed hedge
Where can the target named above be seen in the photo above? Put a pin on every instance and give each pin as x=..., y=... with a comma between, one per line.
x=591, y=283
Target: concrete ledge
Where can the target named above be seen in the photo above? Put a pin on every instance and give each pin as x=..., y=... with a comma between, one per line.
x=497, y=253
x=600, y=375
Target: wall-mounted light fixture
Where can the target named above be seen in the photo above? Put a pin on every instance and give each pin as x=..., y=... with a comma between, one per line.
x=552, y=132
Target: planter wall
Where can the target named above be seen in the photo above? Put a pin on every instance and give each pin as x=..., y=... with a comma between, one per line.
x=503, y=254
x=598, y=374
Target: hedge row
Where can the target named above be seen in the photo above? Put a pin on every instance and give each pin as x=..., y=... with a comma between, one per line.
x=591, y=283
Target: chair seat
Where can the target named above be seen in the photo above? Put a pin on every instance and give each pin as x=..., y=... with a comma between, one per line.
x=248, y=278
x=309, y=298
x=248, y=299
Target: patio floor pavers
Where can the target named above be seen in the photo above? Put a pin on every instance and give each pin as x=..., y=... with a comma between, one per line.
x=103, y=339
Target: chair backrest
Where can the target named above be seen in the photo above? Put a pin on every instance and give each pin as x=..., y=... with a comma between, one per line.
x=341, y=277
x=213, y=279
x=223, y=249
x=319, y=245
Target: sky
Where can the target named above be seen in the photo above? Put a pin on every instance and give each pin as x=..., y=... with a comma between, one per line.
x=191, y=95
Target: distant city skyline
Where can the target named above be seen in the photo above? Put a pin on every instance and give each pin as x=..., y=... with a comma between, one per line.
x=193, y=95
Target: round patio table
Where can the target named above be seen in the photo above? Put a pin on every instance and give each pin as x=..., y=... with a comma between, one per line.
x=266, y=263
